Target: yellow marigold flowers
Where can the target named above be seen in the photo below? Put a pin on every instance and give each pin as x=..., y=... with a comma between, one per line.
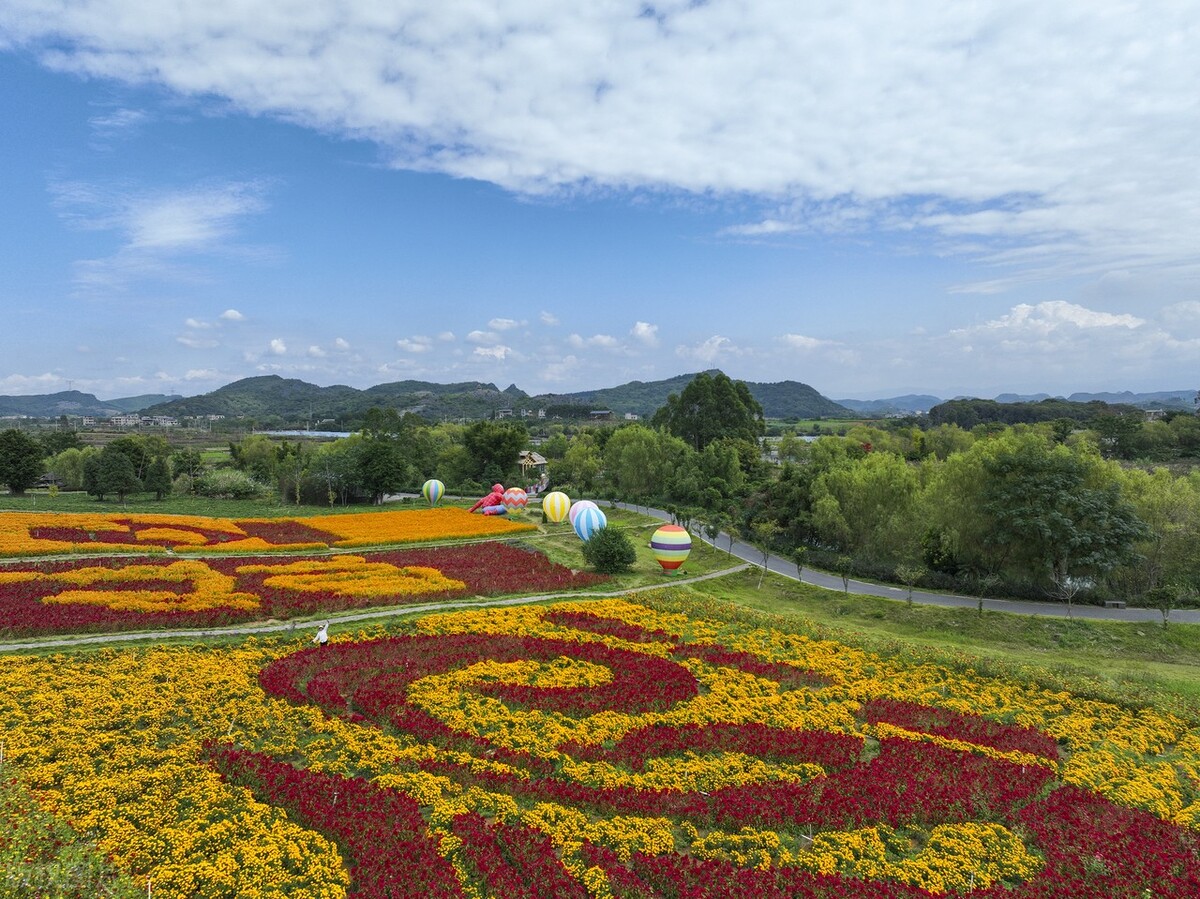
x=209, y=589
x=353, y=576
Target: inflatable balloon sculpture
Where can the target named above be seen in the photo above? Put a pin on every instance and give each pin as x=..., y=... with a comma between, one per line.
x=671, y=545
x=579, y=507
x=433, y=490
x=493, y=503
x=515, y=499
x=588, y=520
x=555, y=506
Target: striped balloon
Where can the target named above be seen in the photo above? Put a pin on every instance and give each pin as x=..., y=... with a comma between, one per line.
x=433, y=490
x=588, y=522
x=556, y=505
x=579, y=507
x=671, y=545
x=515, y=499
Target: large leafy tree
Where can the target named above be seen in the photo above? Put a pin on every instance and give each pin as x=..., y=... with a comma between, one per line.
x=111, y=471
x=20, y=460
x=494, y=448
x=1051, y=511
x=709, y=408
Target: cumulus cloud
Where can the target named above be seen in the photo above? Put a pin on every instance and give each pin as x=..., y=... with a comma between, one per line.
x=503, y=324
x=341, y=344
x=645, y=334
x=482, y=337
x=417, y=344
x=498, y=352
x=316, y=352
x=197, y=324
x=714, y=349
x=978, y=120
x=446, y=336
x=548, y=318
x=277, y=347
x=603, y=341
x=801, y=342
x=232, y=315
x=196, y=343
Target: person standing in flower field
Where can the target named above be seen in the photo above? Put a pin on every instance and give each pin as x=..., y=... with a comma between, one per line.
x=322, y=635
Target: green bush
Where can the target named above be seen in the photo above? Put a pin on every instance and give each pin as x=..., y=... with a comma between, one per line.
x=610, y=551
x=229, y=484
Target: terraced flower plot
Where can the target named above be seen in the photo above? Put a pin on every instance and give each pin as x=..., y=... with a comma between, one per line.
x=603, y=749
x=32, y=533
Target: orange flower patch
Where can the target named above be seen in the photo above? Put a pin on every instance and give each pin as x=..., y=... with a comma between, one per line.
x=353, y=576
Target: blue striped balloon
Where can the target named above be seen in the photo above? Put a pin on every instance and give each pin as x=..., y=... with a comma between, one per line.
x=432, y=490
x=588, y=521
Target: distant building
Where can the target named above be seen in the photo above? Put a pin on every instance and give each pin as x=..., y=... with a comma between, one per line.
x=600, y=415
x=632, y=416
x=504, y=413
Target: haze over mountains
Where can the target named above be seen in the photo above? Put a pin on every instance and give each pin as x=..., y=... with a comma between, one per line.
x=271, y=396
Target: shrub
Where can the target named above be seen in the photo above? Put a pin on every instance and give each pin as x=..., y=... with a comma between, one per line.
x=609, y=551
x=229, y=484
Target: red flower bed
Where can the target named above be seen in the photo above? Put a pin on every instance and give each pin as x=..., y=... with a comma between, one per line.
x=957, y=726
x=790, y=676
x=487, y=569
x=390, y=853
x=609, y=627
x=1092, y=848
x=515, y=861
x=831, y=751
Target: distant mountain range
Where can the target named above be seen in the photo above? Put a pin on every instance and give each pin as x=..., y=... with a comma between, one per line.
x=272, y=399
x=1162, y=399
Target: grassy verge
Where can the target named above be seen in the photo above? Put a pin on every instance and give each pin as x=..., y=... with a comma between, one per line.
x=42, y=856
x=1127, y=662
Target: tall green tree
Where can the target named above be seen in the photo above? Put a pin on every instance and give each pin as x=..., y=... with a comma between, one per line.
x=1053, y=514
x=158, y=478
x=494, y=447
x=711, y=407
x=111, y=471
x=20, y=461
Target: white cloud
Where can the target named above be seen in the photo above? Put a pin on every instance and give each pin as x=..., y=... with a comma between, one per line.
x=801, y=342
x=416, y=344
x=1030, y=127
x=316, y=352
x=196, y=343
x=503, y=324
x=714, y=349
x=558, y=371
x=341, y=344
x=482, y=337
x=232, y=315
x=197, y=324
x=645, y=334
x=278, y=347
x=201, y=374
x=548, y=318
x=604, y=341
x=1053, y=316
x=446, y=336
x=498, y=352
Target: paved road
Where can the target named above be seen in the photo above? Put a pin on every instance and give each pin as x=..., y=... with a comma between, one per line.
x=779, y=565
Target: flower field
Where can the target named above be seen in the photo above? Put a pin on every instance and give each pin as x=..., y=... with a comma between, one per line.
x=600, y=749
x=82, y=595
x=33, y=533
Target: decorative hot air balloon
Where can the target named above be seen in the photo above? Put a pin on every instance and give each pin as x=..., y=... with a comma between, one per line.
x=588, y=521
x=579, y=507
x=671, y=545
x=515, y=499
x=433, y=490
x=556, y=506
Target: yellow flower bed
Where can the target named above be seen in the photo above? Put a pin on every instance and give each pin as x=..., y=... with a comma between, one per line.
x=354, y=576
x=112, y=742
x=142, y=533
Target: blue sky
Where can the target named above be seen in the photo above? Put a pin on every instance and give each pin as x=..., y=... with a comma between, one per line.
x=874, y=200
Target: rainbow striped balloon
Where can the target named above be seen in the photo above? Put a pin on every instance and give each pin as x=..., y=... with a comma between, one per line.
x=579, y=507
x=589, y=521
x=433, y=490
x=671, y=545
x=515, y=499
x=556, y=505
